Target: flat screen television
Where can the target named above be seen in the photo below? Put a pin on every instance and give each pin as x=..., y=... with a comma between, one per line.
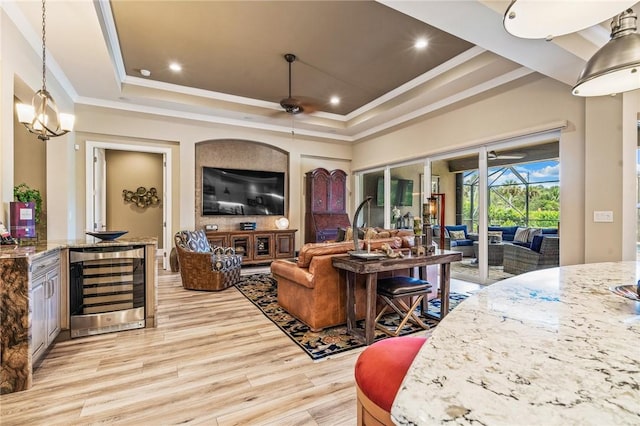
x=242, y=192
x=401, y=192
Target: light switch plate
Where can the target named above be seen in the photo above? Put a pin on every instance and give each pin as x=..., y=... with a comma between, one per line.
x=603, y=216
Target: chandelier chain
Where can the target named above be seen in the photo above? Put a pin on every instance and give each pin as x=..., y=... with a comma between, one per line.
x=44, y=54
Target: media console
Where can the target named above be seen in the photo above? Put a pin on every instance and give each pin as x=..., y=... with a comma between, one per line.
x=260, y=246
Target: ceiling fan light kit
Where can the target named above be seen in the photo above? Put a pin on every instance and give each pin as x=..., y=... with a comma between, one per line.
x=613, y=68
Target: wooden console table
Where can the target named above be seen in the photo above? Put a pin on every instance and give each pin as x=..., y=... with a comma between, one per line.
x=352, y=266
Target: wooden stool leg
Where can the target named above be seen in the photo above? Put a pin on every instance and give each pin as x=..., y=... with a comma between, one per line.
x=403, y=310
x=411, y=316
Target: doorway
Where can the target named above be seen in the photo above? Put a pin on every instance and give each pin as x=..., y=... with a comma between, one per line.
x=100, y=207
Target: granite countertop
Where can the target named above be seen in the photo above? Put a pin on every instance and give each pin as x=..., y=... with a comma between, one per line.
x=34, y=249
x=551, y=347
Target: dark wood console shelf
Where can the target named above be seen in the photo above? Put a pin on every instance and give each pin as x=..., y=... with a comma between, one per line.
x=260, y=246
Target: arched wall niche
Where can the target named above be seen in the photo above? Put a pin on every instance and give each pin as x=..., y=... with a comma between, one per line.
x=238, y=154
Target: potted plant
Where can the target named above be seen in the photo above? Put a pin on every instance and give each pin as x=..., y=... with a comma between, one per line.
x=25, y=194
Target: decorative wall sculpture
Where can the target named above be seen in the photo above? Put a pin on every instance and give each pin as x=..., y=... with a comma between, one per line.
x=141, y=197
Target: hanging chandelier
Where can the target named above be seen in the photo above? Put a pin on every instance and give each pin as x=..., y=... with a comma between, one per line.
x=42, y=117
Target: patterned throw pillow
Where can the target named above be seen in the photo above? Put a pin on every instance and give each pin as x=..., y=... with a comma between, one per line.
x=348, y=236
x=534, y=232
x=522, y=235
x=456, y=235
x=494, y=236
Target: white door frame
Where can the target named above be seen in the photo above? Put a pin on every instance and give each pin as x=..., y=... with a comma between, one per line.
x=166, y=196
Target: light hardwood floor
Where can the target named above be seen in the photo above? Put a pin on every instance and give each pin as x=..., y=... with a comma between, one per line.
x=214, y=359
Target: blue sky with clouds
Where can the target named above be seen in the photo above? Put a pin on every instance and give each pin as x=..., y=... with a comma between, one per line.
x=537, y=173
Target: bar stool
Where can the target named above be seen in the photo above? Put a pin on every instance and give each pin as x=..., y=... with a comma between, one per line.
x=394, y=291
x=379, y=372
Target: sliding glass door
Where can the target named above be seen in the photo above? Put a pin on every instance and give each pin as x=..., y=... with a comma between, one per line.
x=487, y=200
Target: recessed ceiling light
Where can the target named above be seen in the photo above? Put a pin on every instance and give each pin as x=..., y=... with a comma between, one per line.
x=145, y=73
x=335, y=100
x=421, y=43
x=174, y=66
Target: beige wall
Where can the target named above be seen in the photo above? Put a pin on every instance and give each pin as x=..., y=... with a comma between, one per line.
x=107, y=125
x=531, y=105
x=127, y=170
x=30, y=167
x=21, y=67
x=114, y=140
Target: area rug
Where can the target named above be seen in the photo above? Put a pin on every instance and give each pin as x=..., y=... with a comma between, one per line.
x=466, y=270
x=261, y=290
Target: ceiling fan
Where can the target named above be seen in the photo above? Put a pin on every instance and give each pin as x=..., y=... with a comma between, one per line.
x=292, y=105
x=492, y=155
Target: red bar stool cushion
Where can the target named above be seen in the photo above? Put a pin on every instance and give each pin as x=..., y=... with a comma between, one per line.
x=381, y=368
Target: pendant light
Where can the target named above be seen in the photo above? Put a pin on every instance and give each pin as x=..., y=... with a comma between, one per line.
x=613, y=68
x=42, y=117
x=546, y=19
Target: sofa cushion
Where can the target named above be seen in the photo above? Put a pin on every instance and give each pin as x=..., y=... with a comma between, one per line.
x=533, y=232
x=522, y=235
x=494, y=236
x=461, y=243
x=349, y=234
x=536, y=243
x=376, y=244
x=376, y=233
x=380, y=369
x=195, y=241
x=314, y=249
x=450, y=228
x=508, y=232
x=457, y=235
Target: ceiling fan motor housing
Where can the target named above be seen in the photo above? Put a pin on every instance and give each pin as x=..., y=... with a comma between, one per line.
x=291, y=105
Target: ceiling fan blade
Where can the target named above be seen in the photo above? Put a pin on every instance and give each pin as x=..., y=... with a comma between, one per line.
x=492, y=155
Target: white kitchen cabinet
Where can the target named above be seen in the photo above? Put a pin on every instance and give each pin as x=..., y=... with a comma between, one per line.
x=44, y=299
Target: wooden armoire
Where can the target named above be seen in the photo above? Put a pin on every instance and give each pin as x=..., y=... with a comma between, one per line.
x=325, y=204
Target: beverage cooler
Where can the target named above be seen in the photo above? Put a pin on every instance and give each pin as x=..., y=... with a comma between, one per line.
x=106, y=289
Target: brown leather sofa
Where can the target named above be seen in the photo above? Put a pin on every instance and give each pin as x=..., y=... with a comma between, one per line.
x=313, y=291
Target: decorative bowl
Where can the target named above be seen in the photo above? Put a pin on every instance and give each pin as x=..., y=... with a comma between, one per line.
x=106, y=235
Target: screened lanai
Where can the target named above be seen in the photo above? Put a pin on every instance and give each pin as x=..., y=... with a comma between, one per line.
x=519, y=195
